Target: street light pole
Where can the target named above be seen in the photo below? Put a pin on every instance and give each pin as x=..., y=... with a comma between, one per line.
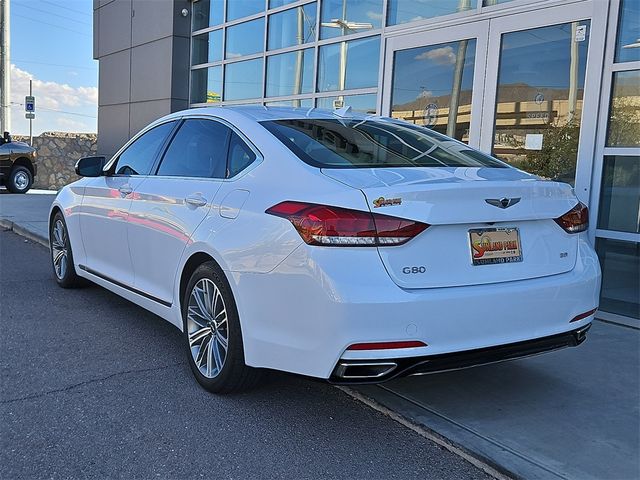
x=5, y=67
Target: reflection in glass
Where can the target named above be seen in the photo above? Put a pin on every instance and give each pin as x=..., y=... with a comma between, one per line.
x=206, y=48
x=279, y=3
x=347, y=65
x=344, y=17
x=628, y=42
x=403, y=11
x=301, y=102
x=206, y=85
x=243, y=80
x=207, y=13
x=620, y=263
x=430, y=82
x=243, y=8
x=539, y=99
x=290, y=73
x=359, y=103
x=488, y=3
x=620, y=194
x=624, y=113
x=245, y=38
x=292, y=27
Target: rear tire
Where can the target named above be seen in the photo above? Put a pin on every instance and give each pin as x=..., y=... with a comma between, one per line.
x=61, y=254
x=20, y=179
x=212, y=333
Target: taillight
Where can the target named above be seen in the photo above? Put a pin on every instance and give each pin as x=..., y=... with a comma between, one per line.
x=575, y=220
x=343, y=227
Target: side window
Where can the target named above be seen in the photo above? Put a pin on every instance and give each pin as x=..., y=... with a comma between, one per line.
x=197, y=150
x=240, y=155
x=138, y=158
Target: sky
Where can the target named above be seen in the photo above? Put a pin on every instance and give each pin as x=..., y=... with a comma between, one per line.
x=51, y=44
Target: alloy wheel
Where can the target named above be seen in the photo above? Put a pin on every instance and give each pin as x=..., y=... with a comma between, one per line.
x=21, y=180
x=59, y=249
x=207, y=328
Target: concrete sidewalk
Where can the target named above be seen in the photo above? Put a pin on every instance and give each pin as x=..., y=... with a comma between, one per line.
x=571, y=414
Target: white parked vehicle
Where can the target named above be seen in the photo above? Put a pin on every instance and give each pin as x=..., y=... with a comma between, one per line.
x=339, y=246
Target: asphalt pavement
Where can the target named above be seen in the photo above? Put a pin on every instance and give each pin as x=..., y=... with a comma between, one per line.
x=94, y=386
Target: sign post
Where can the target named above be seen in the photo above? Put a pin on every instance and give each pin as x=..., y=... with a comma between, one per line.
x=30, y=109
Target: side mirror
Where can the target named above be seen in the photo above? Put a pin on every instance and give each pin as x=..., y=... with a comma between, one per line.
x=90, y=166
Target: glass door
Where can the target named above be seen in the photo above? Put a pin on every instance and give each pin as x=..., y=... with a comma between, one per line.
x=541, y=99
x=436, y=79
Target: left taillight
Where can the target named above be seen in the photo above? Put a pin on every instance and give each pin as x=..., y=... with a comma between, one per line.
x=342, y=227
x=575, y=220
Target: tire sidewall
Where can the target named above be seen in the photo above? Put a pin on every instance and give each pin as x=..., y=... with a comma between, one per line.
x=11, y=184
x=235, y=353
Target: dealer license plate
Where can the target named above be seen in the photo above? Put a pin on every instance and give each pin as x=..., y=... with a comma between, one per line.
x=495, y=245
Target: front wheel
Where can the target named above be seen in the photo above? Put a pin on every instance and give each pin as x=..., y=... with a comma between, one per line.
x=61, y=254
x=20, y=180
x=212, y=333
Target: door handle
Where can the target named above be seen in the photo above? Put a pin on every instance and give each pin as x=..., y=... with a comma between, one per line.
x=196, y=200
x=125, y=190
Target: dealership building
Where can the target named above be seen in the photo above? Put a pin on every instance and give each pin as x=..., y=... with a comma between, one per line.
x=551, y=86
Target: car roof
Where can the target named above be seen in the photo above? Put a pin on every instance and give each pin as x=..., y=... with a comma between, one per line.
x=260, y=113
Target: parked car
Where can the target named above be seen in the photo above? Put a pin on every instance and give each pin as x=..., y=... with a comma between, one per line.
x=17, y=164
x=335, y=245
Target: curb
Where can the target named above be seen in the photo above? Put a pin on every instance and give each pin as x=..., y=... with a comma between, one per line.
x=477, y=461
x=24, y=232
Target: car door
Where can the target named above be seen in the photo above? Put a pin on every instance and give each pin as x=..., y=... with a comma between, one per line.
x=105, y=206
x=170, y=205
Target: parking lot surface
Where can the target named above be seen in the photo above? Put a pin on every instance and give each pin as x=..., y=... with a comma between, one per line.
x=94, y=386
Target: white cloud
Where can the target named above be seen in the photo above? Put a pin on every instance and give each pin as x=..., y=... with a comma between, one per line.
x=374, y=15
x=52, y=95
x=441, y=56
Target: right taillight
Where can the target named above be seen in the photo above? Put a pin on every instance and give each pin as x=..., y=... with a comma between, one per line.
x=342, y=227
x=575, y=220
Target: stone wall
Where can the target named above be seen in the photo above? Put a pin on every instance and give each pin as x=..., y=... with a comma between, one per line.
x=58, y=153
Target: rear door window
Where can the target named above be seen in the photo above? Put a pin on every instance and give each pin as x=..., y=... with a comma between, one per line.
x=198, y=149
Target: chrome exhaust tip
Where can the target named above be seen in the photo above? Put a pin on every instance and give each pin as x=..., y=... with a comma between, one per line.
x=363, y=370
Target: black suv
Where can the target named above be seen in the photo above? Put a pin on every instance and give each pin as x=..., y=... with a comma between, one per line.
x=17, y=164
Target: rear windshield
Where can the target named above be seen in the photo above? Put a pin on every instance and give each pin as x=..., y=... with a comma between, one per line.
x=344, y=143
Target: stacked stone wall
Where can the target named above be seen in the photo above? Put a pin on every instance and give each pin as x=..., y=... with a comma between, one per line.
x=57, y=154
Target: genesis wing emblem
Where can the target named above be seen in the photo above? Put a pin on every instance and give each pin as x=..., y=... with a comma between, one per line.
x=502, y=202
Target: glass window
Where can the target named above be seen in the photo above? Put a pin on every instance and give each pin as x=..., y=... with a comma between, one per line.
x=206, y=85
x=245, y=38
x=197, y=150
x=539, y=99
x=292, y=27
x=207, y=13
x=620, y=263
x=360, y=103
x=138, y=158
x=243, y=8
x=298, y=103
x=240, y=155
x=243, y=80
x=207, y=47
x=488, y=3
x=620, y=194
x=290, y=73
x=279, y=3
x=344, y=17
x=628, y=42
x=357, y=143
x=432, y=86
x=624, y=113
x=403, y=11
x=348, y=65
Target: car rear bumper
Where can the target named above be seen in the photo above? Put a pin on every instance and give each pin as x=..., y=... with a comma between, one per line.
x=359, y=371
x=303, y=316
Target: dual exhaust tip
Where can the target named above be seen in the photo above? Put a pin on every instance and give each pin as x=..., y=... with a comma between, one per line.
x=364, y=370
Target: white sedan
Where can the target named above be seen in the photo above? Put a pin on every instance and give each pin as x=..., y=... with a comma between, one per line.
x=339, y=246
